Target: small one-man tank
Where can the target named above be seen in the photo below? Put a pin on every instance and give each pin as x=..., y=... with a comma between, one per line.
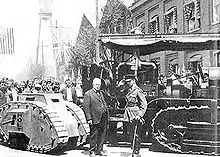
x=42, y=123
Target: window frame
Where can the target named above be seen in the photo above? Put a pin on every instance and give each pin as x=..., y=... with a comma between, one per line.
x=172, y=28
x=214, y=4
x=193, y=23
x=154, y=19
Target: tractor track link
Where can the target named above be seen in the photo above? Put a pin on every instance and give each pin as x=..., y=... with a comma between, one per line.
x=186, y=125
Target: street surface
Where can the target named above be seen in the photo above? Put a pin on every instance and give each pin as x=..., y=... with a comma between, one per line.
x=122, y=151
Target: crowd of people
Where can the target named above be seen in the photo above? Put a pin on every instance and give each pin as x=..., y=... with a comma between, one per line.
x=9, y=88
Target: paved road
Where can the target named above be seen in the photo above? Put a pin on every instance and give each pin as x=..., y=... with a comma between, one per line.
x=122, y=151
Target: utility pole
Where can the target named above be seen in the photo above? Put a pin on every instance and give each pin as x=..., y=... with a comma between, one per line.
x=97, y=32
x=42, y=53
x=38, y=41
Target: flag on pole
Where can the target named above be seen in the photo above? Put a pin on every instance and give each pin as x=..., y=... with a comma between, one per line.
x=170, y=70
x=7, y=42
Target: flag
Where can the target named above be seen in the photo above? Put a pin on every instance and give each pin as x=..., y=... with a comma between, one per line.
x=7, y=42
x=79, y=77
x=170, y=70
x=198, y=9
x=183, y=72
x=151, y=27
x=175, y=16
x=179, y=71
x=154, y=25
x=188, y=11
x=86, y=41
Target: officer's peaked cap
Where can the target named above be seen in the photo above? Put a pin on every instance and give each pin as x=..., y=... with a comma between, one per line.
x=130, y=77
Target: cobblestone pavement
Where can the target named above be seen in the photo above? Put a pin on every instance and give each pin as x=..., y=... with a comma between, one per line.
x=122, y=151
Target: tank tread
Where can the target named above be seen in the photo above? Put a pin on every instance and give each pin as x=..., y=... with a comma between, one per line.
x=174, y=141
x=57, y=123
x=83, y=125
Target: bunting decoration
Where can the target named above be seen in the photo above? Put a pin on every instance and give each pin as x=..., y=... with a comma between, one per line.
x=7, y=42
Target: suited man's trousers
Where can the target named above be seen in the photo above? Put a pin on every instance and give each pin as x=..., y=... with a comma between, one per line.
x=98, y=134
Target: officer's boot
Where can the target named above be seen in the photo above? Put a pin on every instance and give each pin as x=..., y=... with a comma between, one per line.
x=135, y=153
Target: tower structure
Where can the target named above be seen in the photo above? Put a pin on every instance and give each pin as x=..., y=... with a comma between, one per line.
x=44, y=53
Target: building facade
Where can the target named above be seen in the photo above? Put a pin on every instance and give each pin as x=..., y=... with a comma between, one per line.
x=179, y=17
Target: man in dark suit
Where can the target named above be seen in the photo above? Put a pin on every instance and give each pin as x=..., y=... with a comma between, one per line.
x=96, y=112
x=69, y=92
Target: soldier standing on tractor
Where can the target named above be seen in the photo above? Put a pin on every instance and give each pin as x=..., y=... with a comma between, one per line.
x=134, y=112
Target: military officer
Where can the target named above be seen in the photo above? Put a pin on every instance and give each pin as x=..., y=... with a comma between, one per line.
x=134, y=112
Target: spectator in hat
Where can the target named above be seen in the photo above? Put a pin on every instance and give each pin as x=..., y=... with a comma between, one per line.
x=37, y=88
x=30, y=87
x=69, y=92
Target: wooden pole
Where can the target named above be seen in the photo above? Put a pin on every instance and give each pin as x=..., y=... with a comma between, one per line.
x=42, y=53
x=38, y=41
x=97, y=32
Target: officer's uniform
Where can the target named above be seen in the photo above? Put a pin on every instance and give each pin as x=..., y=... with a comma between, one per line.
x=136, y=105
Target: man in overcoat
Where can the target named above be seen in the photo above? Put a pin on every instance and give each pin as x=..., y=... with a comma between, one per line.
x=97, y=116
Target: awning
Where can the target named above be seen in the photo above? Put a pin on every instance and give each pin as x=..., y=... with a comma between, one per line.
x=148, y=44
x=130, y=42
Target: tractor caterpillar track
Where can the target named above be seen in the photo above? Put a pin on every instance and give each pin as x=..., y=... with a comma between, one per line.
x=44, y=121
x=186, y=125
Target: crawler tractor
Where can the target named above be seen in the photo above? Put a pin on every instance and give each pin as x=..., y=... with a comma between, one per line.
x=188, y=125
x=177, y=119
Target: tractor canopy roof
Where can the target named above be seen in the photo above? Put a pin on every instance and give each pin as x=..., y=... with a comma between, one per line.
x=148, y=44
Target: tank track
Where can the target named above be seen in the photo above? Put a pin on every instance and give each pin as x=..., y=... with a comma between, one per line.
x=84, y=128
x=186, y=125
x=50, y=119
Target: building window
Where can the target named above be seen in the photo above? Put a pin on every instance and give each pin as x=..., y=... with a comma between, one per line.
x=192, y=14
x=216, y=11
x=195, y=61
x=217, y=58
x=174, y=65
x=142, y=27
x=129, y=23
x=170, y=20
x=153, y=27
x=194, y=66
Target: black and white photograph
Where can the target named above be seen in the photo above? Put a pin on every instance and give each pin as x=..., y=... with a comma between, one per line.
x=109, y=78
